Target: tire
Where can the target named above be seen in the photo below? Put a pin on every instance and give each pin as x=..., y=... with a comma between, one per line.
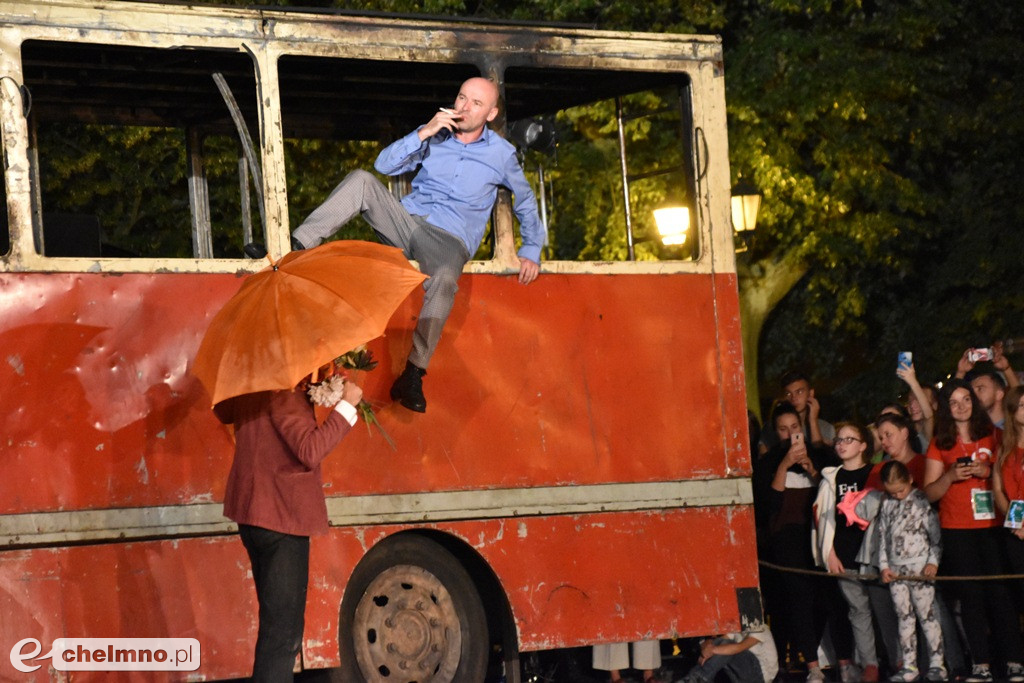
x=411, y=614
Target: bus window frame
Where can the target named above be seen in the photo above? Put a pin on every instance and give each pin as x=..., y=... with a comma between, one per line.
x=706, y=94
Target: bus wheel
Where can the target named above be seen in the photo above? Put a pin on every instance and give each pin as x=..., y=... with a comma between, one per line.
x=412, y=614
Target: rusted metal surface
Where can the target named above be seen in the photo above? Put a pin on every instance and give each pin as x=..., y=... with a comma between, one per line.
x=576, y=380
x=572, y=581
x=573, y=385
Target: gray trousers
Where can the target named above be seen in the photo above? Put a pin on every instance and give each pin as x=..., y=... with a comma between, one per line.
x=440, y=254
x=856, y=594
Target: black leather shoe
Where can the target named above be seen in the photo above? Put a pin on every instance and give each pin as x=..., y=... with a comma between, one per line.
x=408, y=388
x=254, y=250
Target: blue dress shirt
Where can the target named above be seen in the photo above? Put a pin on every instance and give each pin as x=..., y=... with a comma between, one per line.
x=457, y=183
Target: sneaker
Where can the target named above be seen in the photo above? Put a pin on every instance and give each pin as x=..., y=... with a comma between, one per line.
x=849, y=673
x=906, y=674
x=979, y=674
x=1014, y=671
x=870, y=674
x=936, y=673
x=814, y=675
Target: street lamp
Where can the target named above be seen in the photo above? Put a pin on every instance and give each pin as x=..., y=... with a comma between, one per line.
x=746, y=201
x=673, y=222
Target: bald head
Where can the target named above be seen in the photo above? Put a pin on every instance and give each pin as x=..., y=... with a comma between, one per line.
x=475, y=105
x=485, y=87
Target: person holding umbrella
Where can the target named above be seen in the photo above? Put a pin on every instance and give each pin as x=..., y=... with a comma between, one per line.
x=275, y=494
x=459, y=164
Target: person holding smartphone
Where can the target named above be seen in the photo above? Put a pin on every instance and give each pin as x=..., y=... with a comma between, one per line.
x=958, y=473
x=785, y=483
x=920, y=403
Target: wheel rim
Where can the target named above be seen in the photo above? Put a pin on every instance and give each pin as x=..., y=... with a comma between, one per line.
x=406, y=628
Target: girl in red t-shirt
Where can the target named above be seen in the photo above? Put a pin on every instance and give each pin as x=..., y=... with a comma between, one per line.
x=1008, y=477
x=958, y=475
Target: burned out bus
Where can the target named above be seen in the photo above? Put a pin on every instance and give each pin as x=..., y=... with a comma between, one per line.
x=582, y=473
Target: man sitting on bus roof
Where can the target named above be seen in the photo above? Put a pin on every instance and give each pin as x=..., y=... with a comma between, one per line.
x=459, y=164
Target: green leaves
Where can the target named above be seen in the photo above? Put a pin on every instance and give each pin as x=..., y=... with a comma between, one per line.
x=883, y=140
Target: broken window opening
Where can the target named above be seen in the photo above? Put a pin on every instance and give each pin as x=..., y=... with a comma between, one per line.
x=137, y=151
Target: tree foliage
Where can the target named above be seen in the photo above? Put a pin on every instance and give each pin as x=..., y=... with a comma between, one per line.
x=884, y=138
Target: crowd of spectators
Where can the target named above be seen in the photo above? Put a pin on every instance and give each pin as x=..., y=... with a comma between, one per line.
x=878, y=541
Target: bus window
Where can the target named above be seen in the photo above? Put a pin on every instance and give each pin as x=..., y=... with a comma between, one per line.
x=338, y=114
x=583, y=172
x=138, y=154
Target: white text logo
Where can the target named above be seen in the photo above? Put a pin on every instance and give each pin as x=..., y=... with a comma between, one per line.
x=110, y=654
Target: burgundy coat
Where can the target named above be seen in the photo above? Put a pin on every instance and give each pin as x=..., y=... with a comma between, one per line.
x=275, y=480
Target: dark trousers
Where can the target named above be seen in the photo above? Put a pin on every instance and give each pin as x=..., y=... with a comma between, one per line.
x=986, y=607
x=280, y=570
x=807, y=605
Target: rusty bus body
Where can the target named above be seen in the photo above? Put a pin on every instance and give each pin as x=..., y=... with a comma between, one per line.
x=584, y=456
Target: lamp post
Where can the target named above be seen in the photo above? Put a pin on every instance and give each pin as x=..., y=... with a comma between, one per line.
x=673, y=222
x=746, y=201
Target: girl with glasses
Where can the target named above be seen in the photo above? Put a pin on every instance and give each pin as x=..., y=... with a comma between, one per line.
x=836, y=541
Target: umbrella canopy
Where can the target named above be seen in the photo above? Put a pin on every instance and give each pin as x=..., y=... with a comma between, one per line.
x=299, y=314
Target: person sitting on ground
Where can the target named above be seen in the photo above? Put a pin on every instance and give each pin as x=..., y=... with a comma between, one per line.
x=910, y=543
x=745, y=657
x=459, y=164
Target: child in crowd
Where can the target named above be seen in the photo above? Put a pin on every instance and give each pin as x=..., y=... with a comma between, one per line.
x=836, y=542
x=910, y=544
x=745, y=657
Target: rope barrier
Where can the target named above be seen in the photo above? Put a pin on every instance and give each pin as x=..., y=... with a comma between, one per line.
x=876, y=577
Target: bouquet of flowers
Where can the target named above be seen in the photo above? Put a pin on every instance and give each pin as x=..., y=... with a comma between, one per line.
x=328, y=391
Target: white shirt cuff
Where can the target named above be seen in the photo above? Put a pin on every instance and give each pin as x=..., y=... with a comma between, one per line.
x=347, y=411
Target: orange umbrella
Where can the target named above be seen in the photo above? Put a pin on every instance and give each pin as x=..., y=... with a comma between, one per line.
x=290, y=318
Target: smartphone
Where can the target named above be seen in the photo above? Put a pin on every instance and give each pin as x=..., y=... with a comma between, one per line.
x=905, y=359
x=797, y=437
x=966, y=460
x=975, y=355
